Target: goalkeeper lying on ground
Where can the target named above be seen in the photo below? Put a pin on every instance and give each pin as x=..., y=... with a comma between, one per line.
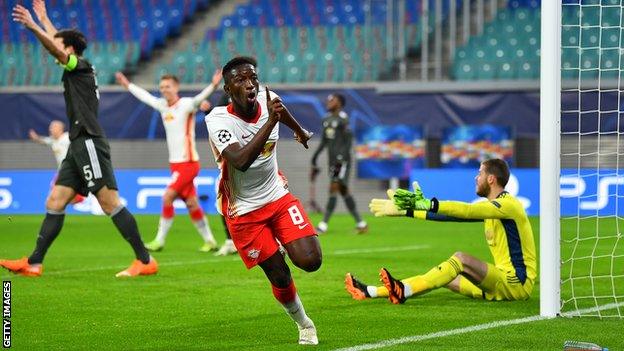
x=507, y=231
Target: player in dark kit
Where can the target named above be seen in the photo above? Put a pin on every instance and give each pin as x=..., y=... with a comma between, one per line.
x=87, y=166
x=337, y=138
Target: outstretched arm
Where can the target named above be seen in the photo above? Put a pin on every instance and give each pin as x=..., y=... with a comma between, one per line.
x=437, y=217
x=388, y=208
x=416, y=201
x=204, y=94
x=37, y=138
x=42, y=15
x=23, y=16
x=479, y=210
x=137, y=91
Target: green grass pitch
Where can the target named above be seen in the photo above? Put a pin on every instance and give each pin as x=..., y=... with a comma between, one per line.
x=198, y=301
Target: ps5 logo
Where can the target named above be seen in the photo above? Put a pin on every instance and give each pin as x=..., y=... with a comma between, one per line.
x=575, y=186
x=156, y=187
x=6, y=198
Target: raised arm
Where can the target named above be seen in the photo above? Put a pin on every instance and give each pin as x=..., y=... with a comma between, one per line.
x=23, y=16
x=38, y=139
x=42, y=15
x=301, y=135
x=204, y=94
x=243, y=157
x=137, y=91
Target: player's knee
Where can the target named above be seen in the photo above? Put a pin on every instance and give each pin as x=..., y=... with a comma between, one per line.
x=461, y=256
x=344, y=191
x=55, y=203
x=108, y=204
x=168, y=198
x=191, y=204
x=107, y=207
x=310, y=263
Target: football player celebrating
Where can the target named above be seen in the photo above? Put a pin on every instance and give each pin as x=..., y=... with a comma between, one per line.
x=254, y=198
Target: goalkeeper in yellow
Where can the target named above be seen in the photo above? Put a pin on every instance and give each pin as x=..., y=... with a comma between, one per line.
x=507, y=232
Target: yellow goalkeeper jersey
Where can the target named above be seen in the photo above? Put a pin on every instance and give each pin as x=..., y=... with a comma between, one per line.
x=507, y=231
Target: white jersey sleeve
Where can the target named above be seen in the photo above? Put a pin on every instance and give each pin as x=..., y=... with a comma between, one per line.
x=158, y=104
x=203, y=95
x=220, y=130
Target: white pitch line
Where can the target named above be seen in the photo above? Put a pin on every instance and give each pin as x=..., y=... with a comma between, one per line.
x=473, y=328
x=232, y=259
x=379, y=249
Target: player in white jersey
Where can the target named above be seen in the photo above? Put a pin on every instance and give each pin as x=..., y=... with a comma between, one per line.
x=253, y=193
x=178, y=116
x=58, y=140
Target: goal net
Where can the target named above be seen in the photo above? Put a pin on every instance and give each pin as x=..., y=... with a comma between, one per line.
x=591, y=155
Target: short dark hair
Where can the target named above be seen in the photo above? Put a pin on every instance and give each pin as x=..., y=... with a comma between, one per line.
x=235, y=62
x=499, y=169
x=73, y=38
x=340, y=98
x=173, y=77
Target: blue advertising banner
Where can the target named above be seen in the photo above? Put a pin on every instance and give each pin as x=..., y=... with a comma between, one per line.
x=384, y=152
x=24, y=192
x=124, y=117
x=582, y=194
x=468, y=146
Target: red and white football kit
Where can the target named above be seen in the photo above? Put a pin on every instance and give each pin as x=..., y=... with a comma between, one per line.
x=257, y=206
x=179, y=122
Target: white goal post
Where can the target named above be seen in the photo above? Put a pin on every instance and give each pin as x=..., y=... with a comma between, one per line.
x=550, y=141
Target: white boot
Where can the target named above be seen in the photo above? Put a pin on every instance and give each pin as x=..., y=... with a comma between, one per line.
x=307, y=335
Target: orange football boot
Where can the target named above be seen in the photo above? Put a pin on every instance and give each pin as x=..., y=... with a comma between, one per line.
x=139, y=268
x=22, y=267
x=355, y=288
x=395, y=287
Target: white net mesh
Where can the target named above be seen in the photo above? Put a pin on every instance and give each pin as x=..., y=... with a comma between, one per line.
x=592, y=204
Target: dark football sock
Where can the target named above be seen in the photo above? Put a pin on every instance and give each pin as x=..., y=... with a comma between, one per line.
x=350, y=202
x=50, y=229
x=329, y=208
x=127, y=226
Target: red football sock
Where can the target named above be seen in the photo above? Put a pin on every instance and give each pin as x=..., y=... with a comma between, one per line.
x=197, y=214
x=285, y=295
x=168, y=211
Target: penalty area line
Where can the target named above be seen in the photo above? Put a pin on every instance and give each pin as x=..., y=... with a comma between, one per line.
x=232, y=259
x=473, y=328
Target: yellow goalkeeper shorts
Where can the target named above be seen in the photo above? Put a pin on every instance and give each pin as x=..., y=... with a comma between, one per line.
x=499, y=284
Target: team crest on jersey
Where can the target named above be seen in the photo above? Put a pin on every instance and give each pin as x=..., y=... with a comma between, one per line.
x=168, y=117
x=223, y=136
x=268, y=149
x=253, y=254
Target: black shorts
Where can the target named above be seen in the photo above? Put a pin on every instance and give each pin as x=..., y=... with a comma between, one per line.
x=87, y=166
x=339, y=172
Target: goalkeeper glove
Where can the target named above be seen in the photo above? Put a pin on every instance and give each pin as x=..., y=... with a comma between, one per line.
x=385, y=207
x=407, y=200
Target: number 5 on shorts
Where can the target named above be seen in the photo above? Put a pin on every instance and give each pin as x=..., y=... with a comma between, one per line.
x=87, y=172
x=295, y=215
